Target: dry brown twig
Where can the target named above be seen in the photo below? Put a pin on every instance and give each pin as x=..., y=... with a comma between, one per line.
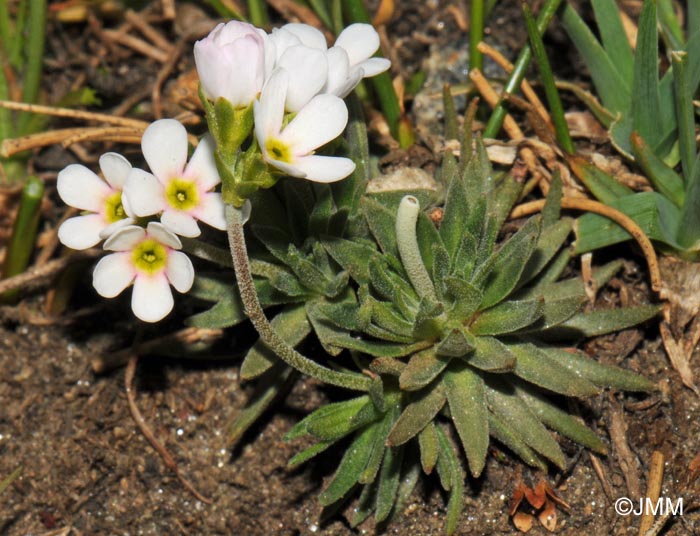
x=168, y=459
x=625, y=457
x=656, y=476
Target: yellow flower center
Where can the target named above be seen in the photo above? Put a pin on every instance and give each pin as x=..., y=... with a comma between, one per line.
x=182, y=194
x=278, y=150
x=149, y=257
x=114, y=210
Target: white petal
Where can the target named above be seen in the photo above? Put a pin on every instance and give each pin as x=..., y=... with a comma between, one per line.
x=125, y=239
x=325, y=168
x=270, y=53
x=180, y=223
x=202, y=165
x=359, y=40
x=144, y=193
x=211, y=211
x=338, y=69
x=317, y=123
x=246, y=70
x=281, y=39
x=350, y=83
x=114, y=227
x=180, y=271
x=269, y=111
x=113, y=274
x=308, y=35
x=289, y=169
x=81, y=232
x=164, y=145
x=374, y=66
x=152, y=299
x=115, y=168
x=163, y=235
x=81, y=188
x=308, y=71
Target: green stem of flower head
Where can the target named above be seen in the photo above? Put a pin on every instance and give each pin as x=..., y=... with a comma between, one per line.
x=550, y=89
x=241, y=265
x=407, y=242
x=499, y=113
x=476, y=34
x=24, y=231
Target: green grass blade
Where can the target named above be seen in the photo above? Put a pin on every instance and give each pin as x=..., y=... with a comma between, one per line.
x=36, y=35
x=614, y=90
x=226, y=10
x=337, y=16
x=321, y=9
x=645, y=88
x=614, y=38
x=684, y=112
x=670, y=26
x=476, y=34
x=257, y=13
x=689, y=228
x=550, y=89
x=693, y=16
x=665, y=180
x=516, y=77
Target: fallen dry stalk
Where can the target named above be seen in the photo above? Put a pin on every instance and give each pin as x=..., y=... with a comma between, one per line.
x=492, y=99
x=169, y=461
x=656, y=475
x=75, y=114
x=618, y=217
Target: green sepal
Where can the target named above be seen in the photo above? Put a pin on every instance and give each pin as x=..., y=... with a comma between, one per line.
x=242, y=178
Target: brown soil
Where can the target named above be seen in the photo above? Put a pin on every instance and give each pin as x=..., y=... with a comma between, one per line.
x=87, y=469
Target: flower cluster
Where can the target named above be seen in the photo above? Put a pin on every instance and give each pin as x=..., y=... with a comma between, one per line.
x=295, y=84
x=121, y=209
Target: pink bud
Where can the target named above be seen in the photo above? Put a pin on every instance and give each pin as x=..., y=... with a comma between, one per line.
x=231, y=62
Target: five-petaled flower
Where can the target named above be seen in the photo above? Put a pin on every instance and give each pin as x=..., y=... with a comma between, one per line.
x=108, y=210
x=290, y=148
x=180, y=190
x=149, y=259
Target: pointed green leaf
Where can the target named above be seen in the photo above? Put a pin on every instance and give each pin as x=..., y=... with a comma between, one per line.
x=422, y=368
x=507, y=317
x=602, y=185
x=467, y=400
x=353, y=256
x=417, y=415
x=503, y=433
x=308, y=453
x=665, y=180
x=465, y=297
x=573, y=287
x=456, y=476
x=689, y=225
x=292, y=325
x=614, y=38
x=429, y=448
x=465, y=257
x=385, y=316
x=429, y=320
x=454, y=217
x=378, y=448
x=457, y=343
x=551, y=240
x=559, y=420
x=330, y=413
x=523, y=423
x=374, y=348
x=599, y=373
x=382, y=223
x=441, y=269
x=551, y=213
x=536, y=367
x=645, y=86
x=389, y=478
x=594, y=323
x=491, y=355
x=556, y=311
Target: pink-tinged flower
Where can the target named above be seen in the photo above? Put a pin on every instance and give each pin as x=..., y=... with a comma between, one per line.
x=359, y=42
x=149, y=259
x=291, y=148
x=231, y=62
x=181, y=191
x=102, y=199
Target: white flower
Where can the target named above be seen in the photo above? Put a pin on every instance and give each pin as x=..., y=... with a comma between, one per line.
x=231, y=62
x=181, y=191
x=81, y=188
x=358, y=42
x=148, y=259
x=291, y=148
x=307, y=70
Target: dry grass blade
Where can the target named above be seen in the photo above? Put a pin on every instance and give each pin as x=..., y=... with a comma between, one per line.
x=625, y=457
x=656, y=475
x=110, y=119
x=679, y=358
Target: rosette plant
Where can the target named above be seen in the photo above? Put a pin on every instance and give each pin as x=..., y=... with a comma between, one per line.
x=453, y=327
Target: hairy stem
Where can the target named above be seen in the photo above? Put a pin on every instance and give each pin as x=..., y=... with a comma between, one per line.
x=406, y=239
x=251, y=304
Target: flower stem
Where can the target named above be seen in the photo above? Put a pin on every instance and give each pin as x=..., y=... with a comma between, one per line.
x=251, y=304
x=407, y=241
